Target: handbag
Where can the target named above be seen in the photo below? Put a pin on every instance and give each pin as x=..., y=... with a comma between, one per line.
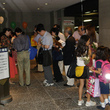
x=33, y=52
x=79, y=71
x=71, y=69
x=40, y=56
x=47, y=61
x=57, y=55
x=93, y=86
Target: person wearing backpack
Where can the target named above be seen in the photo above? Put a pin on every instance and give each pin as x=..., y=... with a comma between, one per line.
x=102, y=65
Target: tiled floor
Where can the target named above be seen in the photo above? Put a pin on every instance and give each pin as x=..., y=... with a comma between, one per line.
x=38, y=97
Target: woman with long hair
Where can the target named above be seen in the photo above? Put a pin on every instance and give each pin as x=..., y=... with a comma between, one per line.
x=83, y=51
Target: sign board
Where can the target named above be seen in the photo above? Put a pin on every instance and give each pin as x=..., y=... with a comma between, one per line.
x=68, y=22
x=4, y=63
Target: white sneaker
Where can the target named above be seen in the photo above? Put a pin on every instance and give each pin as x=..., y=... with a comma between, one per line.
x=80, y=102
x=45, y=81
x=48, y=84
x=90, y=103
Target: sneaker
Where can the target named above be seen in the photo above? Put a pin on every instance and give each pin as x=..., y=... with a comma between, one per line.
x=45, y=81
x=108, y=100
x=80, y=102
x=90, y=103
x=48, y=84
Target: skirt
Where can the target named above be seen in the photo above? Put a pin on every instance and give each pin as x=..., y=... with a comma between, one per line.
x=12, y=66
x=85, y=74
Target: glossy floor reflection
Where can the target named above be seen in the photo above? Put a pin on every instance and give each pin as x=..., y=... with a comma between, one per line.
x=38, y=97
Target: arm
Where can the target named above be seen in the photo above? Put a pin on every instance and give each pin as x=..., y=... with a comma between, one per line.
x=98, y=71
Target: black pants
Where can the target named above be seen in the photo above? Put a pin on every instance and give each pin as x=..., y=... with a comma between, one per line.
x=57, y=73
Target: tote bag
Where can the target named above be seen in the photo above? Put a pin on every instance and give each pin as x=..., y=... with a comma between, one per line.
x=93, y=86
x=47, y=61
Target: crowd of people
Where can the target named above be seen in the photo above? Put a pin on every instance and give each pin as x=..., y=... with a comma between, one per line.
x=59, y=50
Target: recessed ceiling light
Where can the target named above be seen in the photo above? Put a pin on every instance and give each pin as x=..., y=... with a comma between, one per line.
x=94, y=10
x=87, y=12
x=46, y=3
x=4, y=3
x=75, y=27
x=3, y=8
x=38, y=8
x=97, y=26
x=87, y=20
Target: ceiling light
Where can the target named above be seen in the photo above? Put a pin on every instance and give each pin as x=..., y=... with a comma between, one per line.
x=46, y=3
x=75, y=27
x=87, y=20
x=94, y=10
x=4, y=3
x=87, y=12
x=38, y=8
x=3, y=8
x=97, y=26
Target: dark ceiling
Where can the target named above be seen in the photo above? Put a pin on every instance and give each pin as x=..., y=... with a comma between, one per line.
x=88, y=5
x=75, y=10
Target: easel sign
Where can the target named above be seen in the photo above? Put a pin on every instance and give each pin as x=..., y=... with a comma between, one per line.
x=4, y=63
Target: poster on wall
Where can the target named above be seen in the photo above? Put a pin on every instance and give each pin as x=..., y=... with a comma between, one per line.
x=4, y=63
x=68, y=22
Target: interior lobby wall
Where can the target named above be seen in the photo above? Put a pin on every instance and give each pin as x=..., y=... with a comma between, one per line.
x=31, y=18
x=104, y=22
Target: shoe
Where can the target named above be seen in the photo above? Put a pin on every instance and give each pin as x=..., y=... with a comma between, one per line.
x=59, y=80
x=100, y=108
x=39, y=71
x=45, y=81
x=28, y=85
x=69, y=85
x=108, y=100
x=80, y=102
x=90, y=103
x=20, y=84
x=48, y=84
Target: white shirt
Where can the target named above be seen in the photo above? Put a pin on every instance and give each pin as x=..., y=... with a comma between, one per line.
x=76, y=36
x=61, y=35
x=80, y=61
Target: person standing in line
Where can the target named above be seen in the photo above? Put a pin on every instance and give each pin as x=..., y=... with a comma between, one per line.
x=47, y=43
x=6, y=42
x=38, y=39
x=83, y=51
x=77, y=34
x=34, y=44
x=62, y=37
x=69, y=54
x=21, y=45
x=57, y=55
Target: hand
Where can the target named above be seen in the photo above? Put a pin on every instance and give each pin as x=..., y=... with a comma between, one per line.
x=61, y=47
x=43, y=46
x=91, y=68
x=39, y=44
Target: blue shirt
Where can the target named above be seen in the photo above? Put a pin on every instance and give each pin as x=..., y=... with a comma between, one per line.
x=47, y=40
x=98, y=64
